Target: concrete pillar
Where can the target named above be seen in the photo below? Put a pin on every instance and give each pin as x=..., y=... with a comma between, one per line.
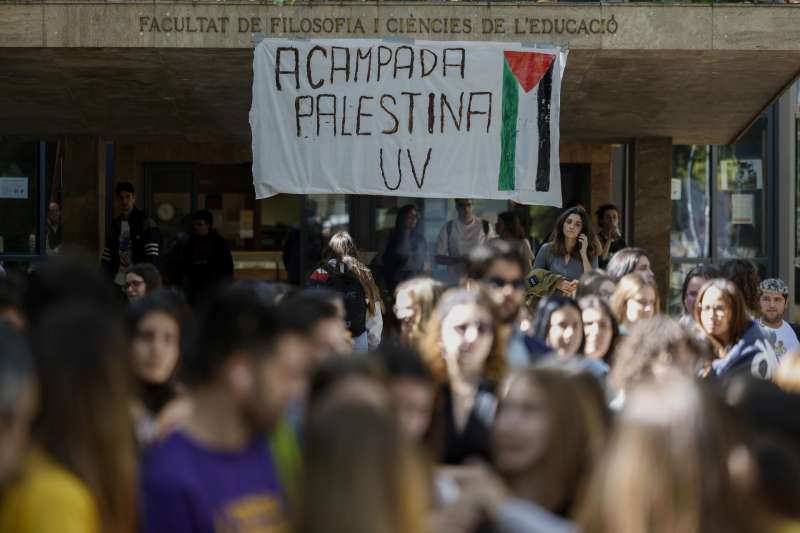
x=81, y=209
x=651, y=207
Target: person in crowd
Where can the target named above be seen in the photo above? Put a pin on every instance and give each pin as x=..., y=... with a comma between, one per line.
x=406, y=254
x=412, y=390
x=344, y=380
x=160, y=331
x=141, y=279
x=414, y=302
x=596, y=283
x=501, y=268
x=324, y=313
x=558, y=322
x=509, y=228
x=134, y=237
x=668, y=467
x=459, y=236
x=11, y=312
x=207, y=259
x=343, y=272
x=657, y=348
x=570, y=253
x=541, y=438
x=773, y=301
x=80, y=474
x=550, y=430
x=47, y=288
x=635, y=298
x=610, y=236
x=744, y=274
x=18, y=402
x=772, y=432
x=373, y=483
x=217, y=473
x=692, y=283
x=600, y=329
x=739, y=343
x=269, y=292
x=463, y=348
x=629, y=260
x=295, y=258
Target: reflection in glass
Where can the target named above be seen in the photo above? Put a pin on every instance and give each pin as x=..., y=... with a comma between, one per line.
x=690, y=202
x=741, y=174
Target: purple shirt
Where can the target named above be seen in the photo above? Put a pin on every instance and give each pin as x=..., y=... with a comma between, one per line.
x=190, y=489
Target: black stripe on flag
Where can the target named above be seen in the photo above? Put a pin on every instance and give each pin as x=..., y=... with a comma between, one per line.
x=543, y=98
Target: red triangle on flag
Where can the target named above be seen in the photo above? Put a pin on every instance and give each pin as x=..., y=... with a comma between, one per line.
x=528, y=67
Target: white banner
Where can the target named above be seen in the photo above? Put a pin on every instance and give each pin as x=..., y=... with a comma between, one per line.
x=435, y=119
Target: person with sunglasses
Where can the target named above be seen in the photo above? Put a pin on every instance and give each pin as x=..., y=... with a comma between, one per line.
x=501, y=268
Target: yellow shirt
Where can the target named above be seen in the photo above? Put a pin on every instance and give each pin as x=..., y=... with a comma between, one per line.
x=46, y=498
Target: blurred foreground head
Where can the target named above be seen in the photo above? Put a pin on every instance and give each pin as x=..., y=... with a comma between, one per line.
x=670, y=466
x=361, y=475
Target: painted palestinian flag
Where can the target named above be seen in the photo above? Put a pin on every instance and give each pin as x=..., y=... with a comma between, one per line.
x=525, y=134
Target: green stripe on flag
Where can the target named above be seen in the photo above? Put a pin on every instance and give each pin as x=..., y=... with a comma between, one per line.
x=508, y=133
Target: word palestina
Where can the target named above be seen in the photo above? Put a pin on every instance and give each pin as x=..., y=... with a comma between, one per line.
x=328, y=112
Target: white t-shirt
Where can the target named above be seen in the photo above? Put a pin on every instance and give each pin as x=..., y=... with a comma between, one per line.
x=461, y=240
x=125, y=252
x=783, y=339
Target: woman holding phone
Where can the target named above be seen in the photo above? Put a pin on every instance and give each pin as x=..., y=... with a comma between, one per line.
x=571, y=250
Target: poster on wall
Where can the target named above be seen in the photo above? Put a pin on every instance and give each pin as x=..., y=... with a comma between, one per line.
x=741, y=175
x=742, y=209
x=432, y=119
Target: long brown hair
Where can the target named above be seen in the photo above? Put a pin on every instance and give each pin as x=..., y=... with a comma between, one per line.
x=577, y=424
x=628, y=287
x=559, y=240
x=739, y=319
x=370, y=484
x=85, y=423
x=666, y=467
x=495, y=367
x=343, y=248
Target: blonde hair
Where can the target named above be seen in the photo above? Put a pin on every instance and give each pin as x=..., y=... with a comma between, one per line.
x=424, y=293
x=495, y=367
x=343, y=248
x=628, y=287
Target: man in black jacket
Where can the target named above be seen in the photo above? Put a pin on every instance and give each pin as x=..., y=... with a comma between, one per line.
x=134, y=237
x=207, y=259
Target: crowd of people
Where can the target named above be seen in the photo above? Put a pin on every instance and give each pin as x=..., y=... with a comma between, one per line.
x=533, y=393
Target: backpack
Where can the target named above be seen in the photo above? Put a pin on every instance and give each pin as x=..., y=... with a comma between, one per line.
x=484, y=223
x=347, y=284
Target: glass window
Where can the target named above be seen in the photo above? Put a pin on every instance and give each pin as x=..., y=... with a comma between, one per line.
x=691, y=189
x=18, y=194
x=740, y=204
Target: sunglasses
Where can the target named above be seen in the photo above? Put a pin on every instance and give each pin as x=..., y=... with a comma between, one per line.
x=500, y=283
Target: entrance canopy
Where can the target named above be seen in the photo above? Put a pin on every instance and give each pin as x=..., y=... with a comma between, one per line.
x=182, y=72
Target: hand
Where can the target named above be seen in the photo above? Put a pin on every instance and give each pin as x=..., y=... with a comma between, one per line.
x=583, y=242
x=567, y=287
x=480, y=487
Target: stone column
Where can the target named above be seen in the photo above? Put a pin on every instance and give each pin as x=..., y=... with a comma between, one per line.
x=651, y=207
x=81, y=209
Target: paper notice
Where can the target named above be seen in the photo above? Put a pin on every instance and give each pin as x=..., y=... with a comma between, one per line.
x=742, y=209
